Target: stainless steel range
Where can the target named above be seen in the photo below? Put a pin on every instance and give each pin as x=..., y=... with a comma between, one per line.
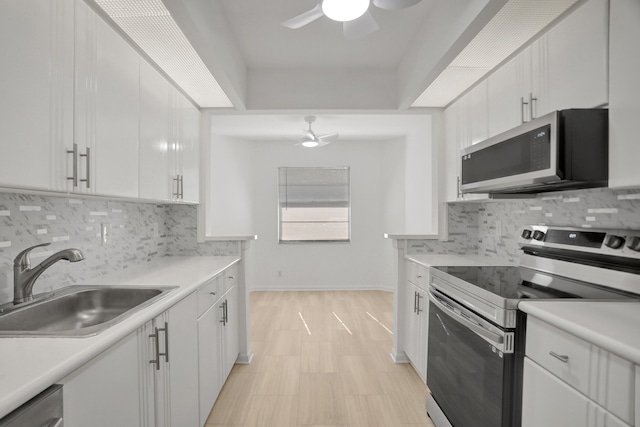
x=476, y=333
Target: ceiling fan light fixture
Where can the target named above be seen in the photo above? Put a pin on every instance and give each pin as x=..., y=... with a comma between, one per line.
x=344, y=10
x=310, y=144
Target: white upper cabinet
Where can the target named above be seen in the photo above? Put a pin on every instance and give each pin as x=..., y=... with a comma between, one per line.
x=82, y=112
x=155, y=174
x=190, y=153
x=117, y=109
x=169, y=140
x=624, y=105
x=184, y=149
x=107, y=106
x=578, y=58
x=466, y=123
x=564, y=68
x=36, y=105
x=504, y=105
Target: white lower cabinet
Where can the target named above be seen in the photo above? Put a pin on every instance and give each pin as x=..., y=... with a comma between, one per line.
x=218, y=346
x=416, y=317
x=106, y=392
x=169, y=366
x=571, y=382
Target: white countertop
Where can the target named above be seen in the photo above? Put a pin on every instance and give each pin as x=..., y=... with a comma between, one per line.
x=30, y=365
x=613, y=326
x=430, y=260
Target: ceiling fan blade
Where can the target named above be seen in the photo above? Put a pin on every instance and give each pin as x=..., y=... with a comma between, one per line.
x=394, y=4
x=308, y=134
x=330, y=137
x=304, y=18
x=360, y=27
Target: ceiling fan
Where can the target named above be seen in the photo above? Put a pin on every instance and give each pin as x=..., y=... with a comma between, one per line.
x=311, y=140
x=357, y=21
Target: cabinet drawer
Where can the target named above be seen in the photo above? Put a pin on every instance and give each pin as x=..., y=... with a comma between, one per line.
x=569, y=358
x=209, y=293
x=230, y=277
x=418, y=275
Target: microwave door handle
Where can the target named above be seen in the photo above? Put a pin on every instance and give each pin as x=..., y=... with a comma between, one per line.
x=494, y=338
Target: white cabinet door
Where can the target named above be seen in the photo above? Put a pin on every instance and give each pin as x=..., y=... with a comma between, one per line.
x=209, y=359
x=548, y=401
x=107, y=107
x=169, y=358
x=477, y=105
x=411, y=322
x=451, y=172
x=230, y=331
x=578, y=58
x=182, y=362
x=155, y=176
x=36, y=105
x=117, y=109
x=184, y=149
x=416, y=327
x=105, y=392
x=190, y=151
x=624, y=105
x=504, y=100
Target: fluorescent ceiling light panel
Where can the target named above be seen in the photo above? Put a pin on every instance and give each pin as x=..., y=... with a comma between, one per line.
x=149, y=24
x=513, y=26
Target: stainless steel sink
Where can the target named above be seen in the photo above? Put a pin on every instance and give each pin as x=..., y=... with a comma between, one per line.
x=77, y=311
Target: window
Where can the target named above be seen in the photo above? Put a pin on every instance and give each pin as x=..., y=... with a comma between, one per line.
x=314, y=204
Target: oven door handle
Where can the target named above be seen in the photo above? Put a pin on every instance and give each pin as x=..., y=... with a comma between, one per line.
x=495, y=339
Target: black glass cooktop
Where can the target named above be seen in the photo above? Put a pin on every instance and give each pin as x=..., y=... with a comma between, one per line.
x=523, y=283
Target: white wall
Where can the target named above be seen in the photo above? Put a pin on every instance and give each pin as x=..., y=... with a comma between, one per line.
x=230, y=201
x=313, y=265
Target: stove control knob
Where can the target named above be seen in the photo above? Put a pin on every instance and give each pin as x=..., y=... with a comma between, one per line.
x=614, y=242
x=634, y=244
x=538, y=235
x=526, y=234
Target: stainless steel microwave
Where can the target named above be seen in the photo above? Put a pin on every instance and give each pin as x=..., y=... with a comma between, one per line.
x=562, y=150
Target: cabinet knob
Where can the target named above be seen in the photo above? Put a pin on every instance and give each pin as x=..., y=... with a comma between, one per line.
x=212, y=293
x=634, y=244
x=614, y=242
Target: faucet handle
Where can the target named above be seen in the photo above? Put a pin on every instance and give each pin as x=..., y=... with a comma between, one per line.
x=22, y=259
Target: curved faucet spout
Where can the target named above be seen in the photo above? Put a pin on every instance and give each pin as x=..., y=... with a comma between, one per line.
x=24, y=277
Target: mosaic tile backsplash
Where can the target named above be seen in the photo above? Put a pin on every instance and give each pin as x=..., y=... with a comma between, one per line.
x=139, y=232
x=475, y=227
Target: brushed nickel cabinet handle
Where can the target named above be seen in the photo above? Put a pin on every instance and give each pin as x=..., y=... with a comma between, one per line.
x=560, y=357
x=154, y=336
x=74, y=177
x=522, y=104
x=182, y=187
x=166, y=342
x=419, y=310
x=177, y=181
x=531, y=101
x=87, y=157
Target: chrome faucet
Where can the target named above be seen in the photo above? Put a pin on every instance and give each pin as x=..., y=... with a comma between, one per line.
x=24, y=277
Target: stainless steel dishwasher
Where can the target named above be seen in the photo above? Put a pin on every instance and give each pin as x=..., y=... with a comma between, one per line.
x=44, y=410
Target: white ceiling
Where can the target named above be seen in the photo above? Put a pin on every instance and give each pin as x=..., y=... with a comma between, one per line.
x=258, y=65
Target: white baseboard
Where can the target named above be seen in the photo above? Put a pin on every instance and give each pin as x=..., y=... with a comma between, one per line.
x=318, y=288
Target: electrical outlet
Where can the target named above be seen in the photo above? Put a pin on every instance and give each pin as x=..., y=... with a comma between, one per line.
x=499, y=228
x=105, y=234
x=156, y=231
x=279, y=273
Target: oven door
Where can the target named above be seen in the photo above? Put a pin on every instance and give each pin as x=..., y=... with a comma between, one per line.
x=470, y=375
